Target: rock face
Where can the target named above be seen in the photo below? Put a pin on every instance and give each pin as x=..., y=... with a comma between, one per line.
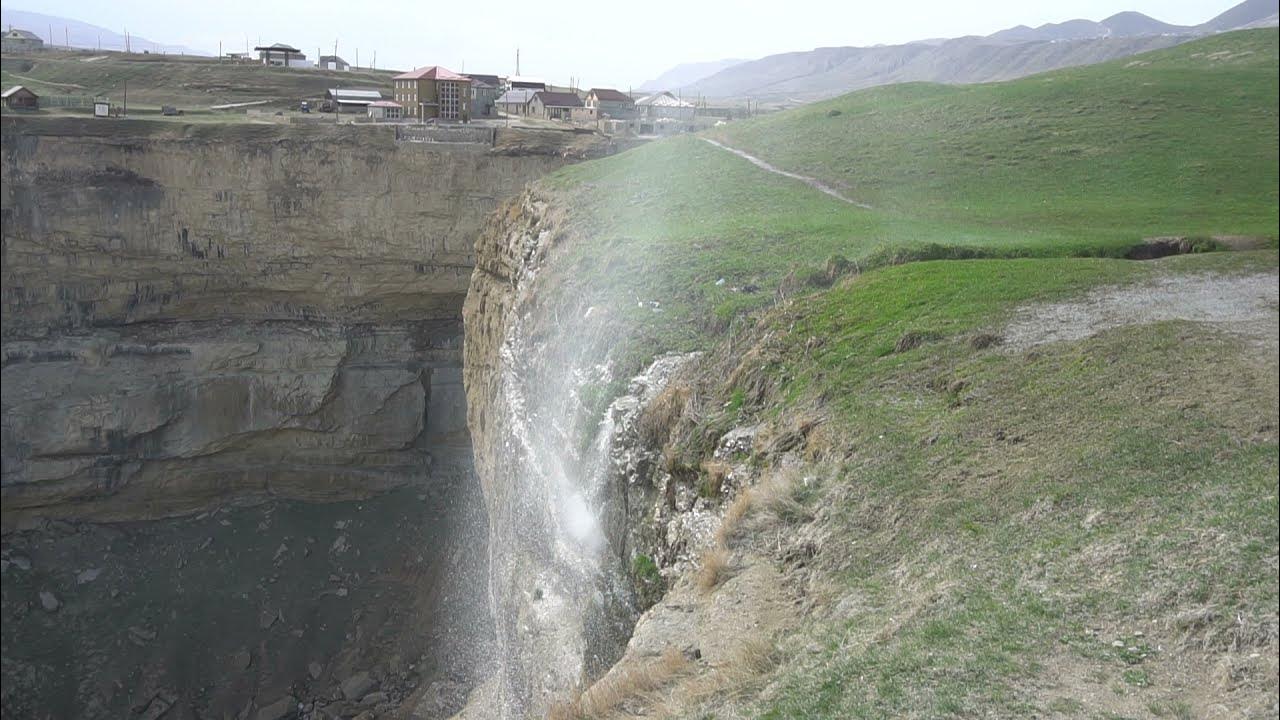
x=197, y=312
x=568, y=490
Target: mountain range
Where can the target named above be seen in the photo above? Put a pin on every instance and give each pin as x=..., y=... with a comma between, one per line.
x=1014, y=52
x=60, y=32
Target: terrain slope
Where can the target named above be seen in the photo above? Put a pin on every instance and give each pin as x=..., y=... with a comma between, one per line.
x=943, y=451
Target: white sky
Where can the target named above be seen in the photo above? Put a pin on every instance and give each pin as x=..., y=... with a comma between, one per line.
x=600, y=42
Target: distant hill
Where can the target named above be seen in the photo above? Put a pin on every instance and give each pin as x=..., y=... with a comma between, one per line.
x=1004, y=55
x=687, y=74
x=85, y=35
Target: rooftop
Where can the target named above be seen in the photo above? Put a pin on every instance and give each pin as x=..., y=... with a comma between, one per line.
x=278, y=46
x=432, y=72
x=610, y=95
x=558, y=99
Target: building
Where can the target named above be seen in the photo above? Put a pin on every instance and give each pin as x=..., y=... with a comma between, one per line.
x=515, y=102
x=664, y=105
x=434, y=92
x=485, y=91
x=385, y=110
x=281, y=55
x=333, y=62
x=15, y=40
x=351, y=99
x=525, y=83
x=608, y=102
x=20, y=98
x=553, y=105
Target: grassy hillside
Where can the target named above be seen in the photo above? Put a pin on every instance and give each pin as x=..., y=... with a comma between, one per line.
x=1077, y=162
x=187, y=82
x=975, y=526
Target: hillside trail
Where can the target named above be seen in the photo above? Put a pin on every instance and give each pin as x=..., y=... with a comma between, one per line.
x=814, y=183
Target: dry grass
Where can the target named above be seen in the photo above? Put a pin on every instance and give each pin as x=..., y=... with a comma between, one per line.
x=731, y=523
x=631, y=683
x=714, y=473
x=662, y=414
x=713, y=569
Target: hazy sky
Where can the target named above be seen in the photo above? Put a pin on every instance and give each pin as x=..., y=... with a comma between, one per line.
x=601, y=42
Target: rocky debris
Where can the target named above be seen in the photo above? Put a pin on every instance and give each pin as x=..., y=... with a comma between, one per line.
x=738, y=441
x=87, y=576
x=141, y=636
x=340, y=545
x=22, y=562
x=314, y=670
x=156, y=706
x=375, y=698
x=267, y=618
x=442, y=699
x=242, y=660
x=49, y=601
x=278, y=710
x=356, y=686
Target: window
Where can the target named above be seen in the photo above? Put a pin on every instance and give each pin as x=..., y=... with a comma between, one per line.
x=450, y=100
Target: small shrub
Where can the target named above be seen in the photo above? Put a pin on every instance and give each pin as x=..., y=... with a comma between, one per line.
x=982, y=341
x=714, y=473
x=714, y=569
x=645, y=569
x=912, y=340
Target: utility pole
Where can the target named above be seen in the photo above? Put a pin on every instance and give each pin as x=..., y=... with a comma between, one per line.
x=357, y=58
x=51, y=36
x=126, y=98
x=375, y=60
x=517, y=62
x=66, y=36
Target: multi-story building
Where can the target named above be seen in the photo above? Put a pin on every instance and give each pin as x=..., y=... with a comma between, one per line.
x=434, y=92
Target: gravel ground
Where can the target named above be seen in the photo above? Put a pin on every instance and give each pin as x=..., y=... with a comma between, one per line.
x=1246, y=305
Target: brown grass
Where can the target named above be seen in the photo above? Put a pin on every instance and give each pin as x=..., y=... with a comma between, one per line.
x=731, y=523
x=631, y=683
x=714, y=474
x=714, y=568
x=662, y=414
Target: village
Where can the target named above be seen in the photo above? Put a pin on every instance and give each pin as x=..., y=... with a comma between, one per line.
x=430, y=94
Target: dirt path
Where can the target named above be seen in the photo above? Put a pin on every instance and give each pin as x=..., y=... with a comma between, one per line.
x=1245, y=305
x=49, y=82
x=811, y=182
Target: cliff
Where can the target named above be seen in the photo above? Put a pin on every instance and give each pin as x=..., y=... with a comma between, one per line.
x=194, y=313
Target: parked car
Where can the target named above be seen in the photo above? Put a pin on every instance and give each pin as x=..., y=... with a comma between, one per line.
x=169, y=110
x=305, y=106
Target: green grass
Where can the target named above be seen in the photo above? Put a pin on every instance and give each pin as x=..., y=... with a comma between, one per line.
x=988, y=531
x=1082, y=162
x=1176, y=142
x=1002, y=518
x=183, y=81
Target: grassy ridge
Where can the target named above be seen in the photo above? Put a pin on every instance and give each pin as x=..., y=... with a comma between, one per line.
x=1180, y=141
x=185, y=81
x=1087, y=529
x=1077, y=162
x=1005, y=518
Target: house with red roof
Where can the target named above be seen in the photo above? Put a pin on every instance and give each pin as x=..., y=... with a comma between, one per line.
x=433, y=92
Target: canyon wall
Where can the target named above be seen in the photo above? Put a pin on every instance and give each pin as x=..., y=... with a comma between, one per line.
x=197, y=312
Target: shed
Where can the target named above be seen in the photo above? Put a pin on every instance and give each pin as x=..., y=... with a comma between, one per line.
x=515, y=101
x=352, y=99
x=20, y=98
x=333, y=62
x=385, y=110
